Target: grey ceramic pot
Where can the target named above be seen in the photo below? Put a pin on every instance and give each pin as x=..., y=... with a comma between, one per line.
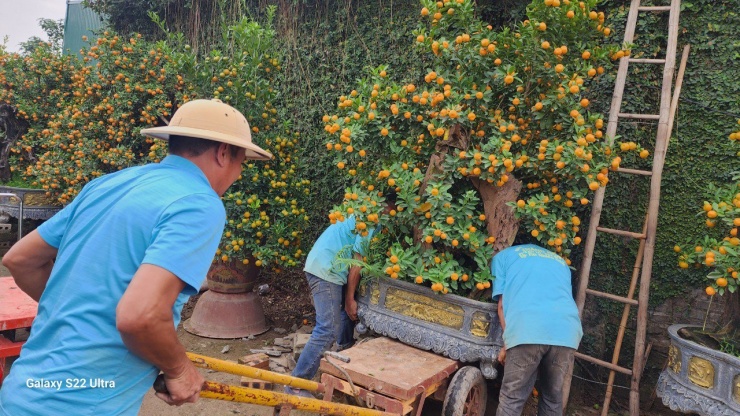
x=698, y=379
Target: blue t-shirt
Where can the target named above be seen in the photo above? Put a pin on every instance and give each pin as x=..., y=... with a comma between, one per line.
x=332, y=241
x=163, y=214
x=538, y=300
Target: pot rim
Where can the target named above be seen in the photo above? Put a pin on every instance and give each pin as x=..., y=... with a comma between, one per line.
x=719, y=355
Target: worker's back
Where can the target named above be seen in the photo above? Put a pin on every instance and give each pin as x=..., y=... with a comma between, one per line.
x=145, y=214
x=537, y=294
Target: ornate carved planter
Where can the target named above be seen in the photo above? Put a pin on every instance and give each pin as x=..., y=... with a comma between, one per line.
x=450, y=325
x=36, y=205
x=699, y=379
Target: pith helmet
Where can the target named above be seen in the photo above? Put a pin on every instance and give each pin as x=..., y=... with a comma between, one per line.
x=210, y=120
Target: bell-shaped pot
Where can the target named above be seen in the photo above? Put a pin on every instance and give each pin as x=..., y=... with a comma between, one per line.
x=230, y=309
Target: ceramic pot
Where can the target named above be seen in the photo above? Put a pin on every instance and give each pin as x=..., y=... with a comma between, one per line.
x=698, y=379
x=232, y=277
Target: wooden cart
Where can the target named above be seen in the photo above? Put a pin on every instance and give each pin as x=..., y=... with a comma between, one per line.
x=396, y=378
x=17, y=311
x=385, y=378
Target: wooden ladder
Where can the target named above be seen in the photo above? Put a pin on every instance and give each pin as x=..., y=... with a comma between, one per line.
x=644, y=263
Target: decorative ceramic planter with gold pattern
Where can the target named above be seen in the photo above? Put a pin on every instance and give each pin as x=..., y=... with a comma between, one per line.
x=450, y=325
x=36, y=204
x=698, y=379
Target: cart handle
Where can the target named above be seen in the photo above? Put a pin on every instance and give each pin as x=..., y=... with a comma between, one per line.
x=346, y=359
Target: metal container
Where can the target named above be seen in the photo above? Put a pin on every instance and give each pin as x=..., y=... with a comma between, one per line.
x=453, y=326
x=698, y=379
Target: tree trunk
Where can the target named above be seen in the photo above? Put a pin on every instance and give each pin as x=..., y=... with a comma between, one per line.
x=501, y=222
x=13, y=128
x=457, y=138
x=731, y=327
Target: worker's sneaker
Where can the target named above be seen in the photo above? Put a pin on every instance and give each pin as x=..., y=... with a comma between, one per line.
x=298, y=392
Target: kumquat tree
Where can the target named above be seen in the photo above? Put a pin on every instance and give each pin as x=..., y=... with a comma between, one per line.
x=264, y=206
x=721, y=256
x=84, y=115
x=499, y=134
x=82, y=119
x=31, y=89
x=266, y=218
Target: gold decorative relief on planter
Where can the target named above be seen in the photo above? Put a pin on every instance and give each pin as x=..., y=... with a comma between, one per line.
x=424, y=308
x=736, y=388
x=480, y=324
x=674, y=359
x=701, y=372
x=375, y=295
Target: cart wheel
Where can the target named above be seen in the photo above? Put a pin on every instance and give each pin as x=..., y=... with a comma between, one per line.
x=466, y=394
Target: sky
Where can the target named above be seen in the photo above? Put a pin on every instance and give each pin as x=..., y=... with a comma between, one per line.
x=19, y=19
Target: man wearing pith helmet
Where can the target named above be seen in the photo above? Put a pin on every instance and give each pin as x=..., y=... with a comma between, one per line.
x=112, y=270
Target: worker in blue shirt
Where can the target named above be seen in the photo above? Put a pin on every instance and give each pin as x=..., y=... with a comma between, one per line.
x=333, y=291
x=541, y=326
x=112, y=270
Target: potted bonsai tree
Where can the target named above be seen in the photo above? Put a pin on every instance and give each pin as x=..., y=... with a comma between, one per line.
x=703, y=372
x=499, y=134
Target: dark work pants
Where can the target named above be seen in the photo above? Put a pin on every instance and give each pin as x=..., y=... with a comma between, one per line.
x=525, y=364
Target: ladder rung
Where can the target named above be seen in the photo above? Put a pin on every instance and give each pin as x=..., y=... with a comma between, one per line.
x=603, y=363
x=635, y=171
x=654, y=8
x=620, y=232
x=647, y=61
x=616, y=298
x=640, y=116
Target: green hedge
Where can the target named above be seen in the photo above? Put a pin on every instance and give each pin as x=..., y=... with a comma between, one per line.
x=699, y=152
x=329, y=43
x=327, y=52
x=331, y=47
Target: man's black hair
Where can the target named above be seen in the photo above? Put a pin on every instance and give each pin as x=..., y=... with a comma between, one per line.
x=194, y=146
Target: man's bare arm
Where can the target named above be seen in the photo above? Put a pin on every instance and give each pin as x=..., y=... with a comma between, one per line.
x=144, y=319
x=30, y=261
x=353, y=280
x=502, y=321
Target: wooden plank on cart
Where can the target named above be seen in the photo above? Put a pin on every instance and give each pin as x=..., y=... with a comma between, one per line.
x=392, y=368
x=374, y=400
x=17, y=309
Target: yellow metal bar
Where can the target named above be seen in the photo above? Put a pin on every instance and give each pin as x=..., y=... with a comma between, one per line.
x=244, y=370
x=211, y=390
